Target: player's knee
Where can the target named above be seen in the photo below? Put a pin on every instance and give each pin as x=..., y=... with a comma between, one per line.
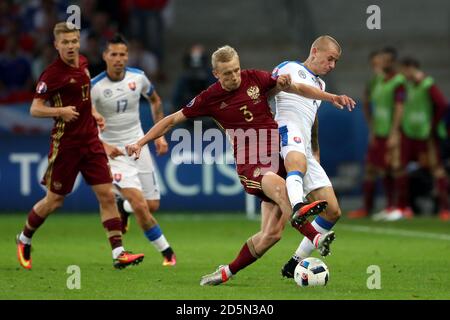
x=106, y=198
x=139, y=207
x=334, y=214
x=153, y=205
x=54, y=203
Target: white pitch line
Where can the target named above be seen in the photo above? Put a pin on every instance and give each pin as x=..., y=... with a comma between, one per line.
x=395, y=232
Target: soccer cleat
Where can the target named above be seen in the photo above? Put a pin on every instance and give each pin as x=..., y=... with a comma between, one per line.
x=323, y=241
x=383, y=214
x=127, y=258
x=170, y=262
x=444, y=215
x=357, y=214
x=407, y=213
x=217, y=277
x=23, y=253
x=124, y=215
x=288, y=269
x=307, y=210
x=394, y=215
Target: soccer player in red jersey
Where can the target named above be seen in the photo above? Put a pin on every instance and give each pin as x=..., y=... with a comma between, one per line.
x=63, y=93
x=238, y=102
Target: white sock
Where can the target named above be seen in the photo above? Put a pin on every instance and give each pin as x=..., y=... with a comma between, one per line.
x=24, y=239
x=228, y=271
x=161, y=243
x=117, y=251
x=294, y=185
x=306, y=247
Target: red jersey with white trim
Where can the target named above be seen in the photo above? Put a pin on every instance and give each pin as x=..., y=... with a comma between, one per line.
x=243, y=113
x=62, y=85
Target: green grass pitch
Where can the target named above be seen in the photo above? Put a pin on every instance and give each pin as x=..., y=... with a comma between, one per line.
x=413, y=257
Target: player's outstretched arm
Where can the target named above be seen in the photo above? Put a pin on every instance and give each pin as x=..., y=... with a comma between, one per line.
x=40, y=110
x=159, y=129
x=339, y=101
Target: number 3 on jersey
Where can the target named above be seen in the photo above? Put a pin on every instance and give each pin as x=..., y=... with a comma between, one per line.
x=248, y=115
x=122, y=105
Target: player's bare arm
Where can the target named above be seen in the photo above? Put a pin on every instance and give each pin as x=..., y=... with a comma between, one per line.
x=40, y=110
x=112, y=151
x=394, y=135
x=339, y=101
x=161, y=145
x=98, y=118
x=159, y=129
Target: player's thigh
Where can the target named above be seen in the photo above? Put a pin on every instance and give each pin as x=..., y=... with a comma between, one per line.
x=62, y=170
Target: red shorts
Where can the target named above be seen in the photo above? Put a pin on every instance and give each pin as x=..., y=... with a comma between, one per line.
x=64, y=164
x=426, y=152
x=377, y=154
x=251, y=176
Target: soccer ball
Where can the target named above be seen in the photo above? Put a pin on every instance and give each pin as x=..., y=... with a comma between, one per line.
x=311, y=272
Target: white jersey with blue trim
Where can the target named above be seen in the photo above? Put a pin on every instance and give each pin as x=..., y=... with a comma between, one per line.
x=293, y=108
x=118, y=103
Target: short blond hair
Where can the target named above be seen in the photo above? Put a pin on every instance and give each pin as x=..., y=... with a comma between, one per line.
x=64, y=27
x=322, y=43
x=223, y=54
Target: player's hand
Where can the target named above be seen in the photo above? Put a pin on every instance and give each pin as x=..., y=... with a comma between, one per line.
x=161, y=146
x=133, y=149
x=341, y=101
x=69, y=113
x=100, y=120
x=113, y=151
x=284, y=82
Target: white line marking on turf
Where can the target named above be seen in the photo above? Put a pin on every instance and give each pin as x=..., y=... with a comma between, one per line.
x=395, y=232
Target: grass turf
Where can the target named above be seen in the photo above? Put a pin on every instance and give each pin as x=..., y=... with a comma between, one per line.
x=414, y=263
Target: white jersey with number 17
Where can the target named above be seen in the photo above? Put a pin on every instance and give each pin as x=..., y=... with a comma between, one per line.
x=118, y=102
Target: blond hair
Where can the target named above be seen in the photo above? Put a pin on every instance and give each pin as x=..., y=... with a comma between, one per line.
x=322, y=42
x=223, y=54
x=64, y=27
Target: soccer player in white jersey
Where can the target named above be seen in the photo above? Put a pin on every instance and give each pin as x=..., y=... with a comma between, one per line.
x=298, y=126
x=115, y=96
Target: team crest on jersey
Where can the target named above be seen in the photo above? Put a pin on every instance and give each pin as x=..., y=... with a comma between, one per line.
x=253, y=92
x=107, y=93
x=117, y=177
x=191, y=103
x=132, y=85
x=302, y=74
x=41, y=87
x=257, y=172
x=297, y=139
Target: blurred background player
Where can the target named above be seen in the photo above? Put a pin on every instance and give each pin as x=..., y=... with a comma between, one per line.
x=75, y=146
x=298, y=126
x=425, y=105
x=386, y=99
x=115, y=95
x=238, y=101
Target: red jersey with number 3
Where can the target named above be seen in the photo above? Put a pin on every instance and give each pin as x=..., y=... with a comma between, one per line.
x=244, y=110
x=62, y=85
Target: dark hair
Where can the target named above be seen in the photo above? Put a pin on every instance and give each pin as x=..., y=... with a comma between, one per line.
x=372, y=54
x=410, y=62
x=116, y=39
x=390, y=50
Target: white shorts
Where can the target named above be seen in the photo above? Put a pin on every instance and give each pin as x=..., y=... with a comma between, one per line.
x=138, y=174
x=293, y=138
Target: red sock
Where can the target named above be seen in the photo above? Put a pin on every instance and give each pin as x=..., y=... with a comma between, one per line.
x=401, y=183
x=243, y=259
x=368, y=189
x=306, y=229
x=114, y=227
x=388, y=183
x=33, y=222
x=442, y=186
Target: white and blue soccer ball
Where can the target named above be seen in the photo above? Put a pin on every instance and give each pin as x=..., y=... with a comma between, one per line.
x=311, y=272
